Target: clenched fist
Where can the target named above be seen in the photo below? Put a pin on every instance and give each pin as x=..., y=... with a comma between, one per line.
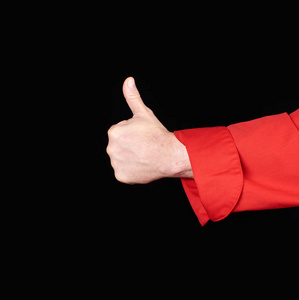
x=141, y=149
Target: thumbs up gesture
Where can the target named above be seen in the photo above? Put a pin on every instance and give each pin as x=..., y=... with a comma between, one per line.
x=141, y=149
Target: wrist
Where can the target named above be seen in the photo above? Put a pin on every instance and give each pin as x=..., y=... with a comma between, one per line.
x=177, y=162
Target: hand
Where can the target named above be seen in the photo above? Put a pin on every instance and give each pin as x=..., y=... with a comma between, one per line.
x=141, y=149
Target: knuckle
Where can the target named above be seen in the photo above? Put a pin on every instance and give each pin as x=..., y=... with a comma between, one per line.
x=111, y=131
x=108, y=149
x=120, y=177
x=115, y=130
x=134, y=94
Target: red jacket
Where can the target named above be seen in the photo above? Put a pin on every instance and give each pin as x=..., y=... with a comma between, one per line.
x=251, y=165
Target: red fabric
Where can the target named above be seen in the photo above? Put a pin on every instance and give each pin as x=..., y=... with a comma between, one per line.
x=251, y=165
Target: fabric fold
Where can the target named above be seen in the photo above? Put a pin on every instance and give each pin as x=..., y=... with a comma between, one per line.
x=218, y=177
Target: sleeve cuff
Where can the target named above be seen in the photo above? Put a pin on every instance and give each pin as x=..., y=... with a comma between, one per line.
x=218, y=177
x=295, y=118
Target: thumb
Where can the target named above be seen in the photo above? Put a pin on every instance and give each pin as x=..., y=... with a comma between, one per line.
x=132, y=96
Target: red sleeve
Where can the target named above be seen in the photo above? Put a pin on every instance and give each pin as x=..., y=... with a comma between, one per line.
x=251, y=165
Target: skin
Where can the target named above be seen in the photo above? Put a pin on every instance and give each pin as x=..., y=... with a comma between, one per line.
x=141, y=149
